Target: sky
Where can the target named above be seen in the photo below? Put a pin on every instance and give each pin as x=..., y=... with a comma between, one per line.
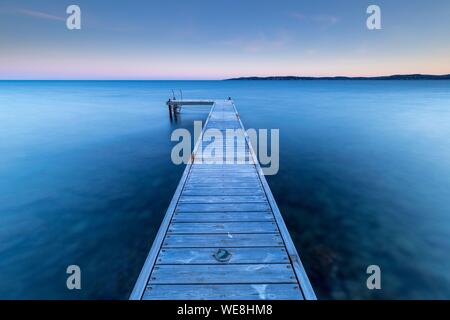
x=217, y=39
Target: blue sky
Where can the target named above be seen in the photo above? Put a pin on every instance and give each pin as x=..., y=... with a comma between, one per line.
x=215, y=39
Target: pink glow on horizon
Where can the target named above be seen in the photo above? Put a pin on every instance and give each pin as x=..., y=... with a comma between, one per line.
x=201, y=68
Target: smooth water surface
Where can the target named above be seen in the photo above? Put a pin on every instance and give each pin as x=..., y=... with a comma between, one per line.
x=86, y=177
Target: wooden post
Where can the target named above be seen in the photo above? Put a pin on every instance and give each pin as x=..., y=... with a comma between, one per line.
x=169, y=105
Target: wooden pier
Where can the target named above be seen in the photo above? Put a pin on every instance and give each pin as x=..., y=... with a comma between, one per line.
x=175, y=105
x=223, y=236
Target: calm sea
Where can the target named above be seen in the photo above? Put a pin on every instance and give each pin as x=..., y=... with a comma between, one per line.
x=86, y=177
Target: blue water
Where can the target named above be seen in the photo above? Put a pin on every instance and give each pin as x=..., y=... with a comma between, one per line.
x=86, y=177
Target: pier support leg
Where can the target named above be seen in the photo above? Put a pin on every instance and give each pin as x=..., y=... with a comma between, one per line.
x=170, y=111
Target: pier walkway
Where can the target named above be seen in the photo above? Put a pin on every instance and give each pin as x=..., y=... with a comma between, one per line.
x=223, y=236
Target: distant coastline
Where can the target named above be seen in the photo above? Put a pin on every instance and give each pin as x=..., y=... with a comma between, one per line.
x=392, y=77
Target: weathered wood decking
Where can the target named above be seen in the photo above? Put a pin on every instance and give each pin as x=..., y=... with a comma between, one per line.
x=186, y=102
x=223, y=236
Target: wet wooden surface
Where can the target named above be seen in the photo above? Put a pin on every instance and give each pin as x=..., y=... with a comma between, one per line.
x=223, y=236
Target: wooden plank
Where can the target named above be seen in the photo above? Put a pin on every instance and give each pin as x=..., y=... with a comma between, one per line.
x=222, y=199
x=223, y=180
x=222, y=216
x=250, y=172
x=230, y=179
x=223, y=227
x=219, y=207
x=190, y=102
x=222, y=160
x=224, y=292
x=221, y=156
x=231, y=185
x=222, y=240
x=225, y=141
x=225, y=146
x=222, y=274
x=218, y=174
x=222, y=131
x=224, y=166
x=225, y=155
x=237, y=256
x=224, y=172
x=216, y=151
x=207, y=191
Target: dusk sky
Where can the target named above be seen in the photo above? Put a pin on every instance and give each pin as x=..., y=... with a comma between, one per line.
x=216, y=39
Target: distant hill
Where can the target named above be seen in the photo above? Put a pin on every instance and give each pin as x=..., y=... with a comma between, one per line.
x=393, y=77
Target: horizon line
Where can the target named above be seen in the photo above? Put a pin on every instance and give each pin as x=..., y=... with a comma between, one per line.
x=242, y=77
